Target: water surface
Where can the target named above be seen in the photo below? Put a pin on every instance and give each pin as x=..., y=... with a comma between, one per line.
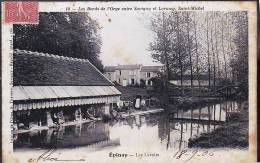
x=154, y=132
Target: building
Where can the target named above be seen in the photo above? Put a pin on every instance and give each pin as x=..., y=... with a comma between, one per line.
x=49, y=89
x=148, y=72
x=202, y=80
x=132, y=74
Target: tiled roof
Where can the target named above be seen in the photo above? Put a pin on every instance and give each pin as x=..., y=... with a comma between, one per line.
x=128, y=67
x=58, y=92
x=151, y=68
x=42, y=69
x=132, y=67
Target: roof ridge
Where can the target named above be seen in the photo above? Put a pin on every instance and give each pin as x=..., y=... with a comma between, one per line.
x=18, y=51
x=129, y=64
x=152, y=66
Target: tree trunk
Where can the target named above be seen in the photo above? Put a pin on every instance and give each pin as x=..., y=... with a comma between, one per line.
x=179, y=52
x=167, y=74
x=217, y=52
x=207, y=21
x=213, y=55
x=223, y=50
x=196, y=50
x=189, y=50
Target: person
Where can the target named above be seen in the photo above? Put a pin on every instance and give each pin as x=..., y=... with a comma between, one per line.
x=143, y=104
x=138, y=102
x=55, y=118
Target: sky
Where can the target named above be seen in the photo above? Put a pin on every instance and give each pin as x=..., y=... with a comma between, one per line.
x=125, y=37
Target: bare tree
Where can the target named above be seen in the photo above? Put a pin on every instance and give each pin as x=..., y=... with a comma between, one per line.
x=223, y=48
x=196, y=49
x=216, y=46
x=207, y=31
x=189, y=47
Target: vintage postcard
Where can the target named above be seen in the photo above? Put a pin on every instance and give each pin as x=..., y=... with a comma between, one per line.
x=124, y=82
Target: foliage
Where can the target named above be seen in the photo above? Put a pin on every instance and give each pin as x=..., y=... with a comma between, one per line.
x=68, y=34
x=239, y=62
x=169, y=45
x=195, y=43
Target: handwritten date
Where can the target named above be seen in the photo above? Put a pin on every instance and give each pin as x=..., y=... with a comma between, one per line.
x=187, y=155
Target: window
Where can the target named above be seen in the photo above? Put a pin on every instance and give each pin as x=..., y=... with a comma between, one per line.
x=131, y=72
x=132, y=81
x=118, y=72
x=148, y=74
x=150, y=82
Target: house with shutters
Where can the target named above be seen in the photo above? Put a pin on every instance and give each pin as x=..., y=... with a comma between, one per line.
x=135, y=74
x=49, y=89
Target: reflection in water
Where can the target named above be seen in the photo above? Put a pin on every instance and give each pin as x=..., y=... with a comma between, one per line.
x=160, y=131
x=95, y=133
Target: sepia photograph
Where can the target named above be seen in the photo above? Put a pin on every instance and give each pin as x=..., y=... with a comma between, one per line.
x=152, y=83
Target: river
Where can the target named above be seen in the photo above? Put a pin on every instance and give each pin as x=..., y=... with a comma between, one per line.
x=154, y=132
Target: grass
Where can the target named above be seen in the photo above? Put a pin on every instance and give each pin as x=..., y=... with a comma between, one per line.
x=129, y=93
x=234, y=133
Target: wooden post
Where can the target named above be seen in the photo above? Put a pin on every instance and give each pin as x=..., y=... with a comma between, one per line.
x=40, y=122
x=49, y=119
x=199, y=112
x=191, y=113
x=226, y=111
x=137, y=120
x=220, y=112
x=198, y=128
x=107, y=109
x=214, y=112
x=191, y=128
x=214, y=115
x=181, y=136
x=209, y=112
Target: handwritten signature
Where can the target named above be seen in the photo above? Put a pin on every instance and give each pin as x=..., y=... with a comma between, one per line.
x=187, y=155
x=48, y=156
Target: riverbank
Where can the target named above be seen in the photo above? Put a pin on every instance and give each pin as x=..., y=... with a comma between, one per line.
x=233, y=134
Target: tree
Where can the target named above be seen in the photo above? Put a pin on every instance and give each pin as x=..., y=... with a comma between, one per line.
x=212, y=43
x=170, y=43
x=196, y=49
x=190, y=45
x=239, y=62
x=207, y=28
x=67, y=34
x=223, y=47
x=161, y=47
